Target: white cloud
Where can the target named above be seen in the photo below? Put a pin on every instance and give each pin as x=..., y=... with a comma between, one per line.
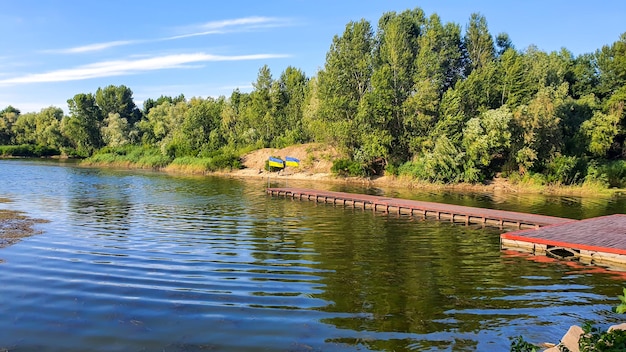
x=128, y=67
x=93, y=47
x=229, y=26
x=214, y=27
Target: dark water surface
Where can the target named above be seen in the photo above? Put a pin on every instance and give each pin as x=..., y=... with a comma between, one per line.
x=137, y=261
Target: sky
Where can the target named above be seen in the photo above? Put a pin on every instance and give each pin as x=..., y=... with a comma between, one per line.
x=51, y=50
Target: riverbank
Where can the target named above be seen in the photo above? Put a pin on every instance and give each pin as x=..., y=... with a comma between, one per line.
x=316, y=161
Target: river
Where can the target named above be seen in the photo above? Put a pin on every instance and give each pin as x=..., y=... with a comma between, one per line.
x=144, y=261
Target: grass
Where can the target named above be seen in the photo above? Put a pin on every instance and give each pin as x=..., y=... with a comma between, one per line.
x=129, y=156
x=146, y=157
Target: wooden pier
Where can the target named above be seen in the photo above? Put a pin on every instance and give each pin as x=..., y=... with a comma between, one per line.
x=600, y=240
x=453, y=213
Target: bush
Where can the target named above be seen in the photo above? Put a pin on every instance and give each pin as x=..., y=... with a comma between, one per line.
x=28, y=150
x=616, y=173
x=416, y=169
x=138, y=156
x=392, y=169
x=611, y=173
x=347, y=167
x=566, y=170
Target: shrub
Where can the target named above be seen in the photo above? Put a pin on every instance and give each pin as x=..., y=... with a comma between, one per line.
x=28, y=150
x=347, y=167
x=566, y=170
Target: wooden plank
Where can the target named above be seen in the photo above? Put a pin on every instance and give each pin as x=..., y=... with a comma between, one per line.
x=605, y=234
x=501, y=217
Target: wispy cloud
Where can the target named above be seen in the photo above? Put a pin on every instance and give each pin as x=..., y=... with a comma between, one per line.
x=215, y=27
x=243, y=24
x=128, y=67
x=93, y=47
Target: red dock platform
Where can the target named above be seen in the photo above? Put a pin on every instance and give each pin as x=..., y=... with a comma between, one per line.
x=454, y=213
x=600, y=240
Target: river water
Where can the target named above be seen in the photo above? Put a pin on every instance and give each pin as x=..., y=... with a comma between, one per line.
x=142, y=261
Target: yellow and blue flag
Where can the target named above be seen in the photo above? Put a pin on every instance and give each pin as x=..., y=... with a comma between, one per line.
x=275, y=162
x=290, y=161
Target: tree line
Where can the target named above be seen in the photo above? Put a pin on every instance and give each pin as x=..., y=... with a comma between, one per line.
x=413, y=96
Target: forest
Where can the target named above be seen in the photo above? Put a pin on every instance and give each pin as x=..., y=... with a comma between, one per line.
x=408, y=96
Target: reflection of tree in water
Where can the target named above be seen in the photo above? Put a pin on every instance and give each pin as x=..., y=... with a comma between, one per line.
x=108, y=207
x=396, y=283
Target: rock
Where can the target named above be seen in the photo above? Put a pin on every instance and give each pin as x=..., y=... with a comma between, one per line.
x=621, y=326
x=570, y=339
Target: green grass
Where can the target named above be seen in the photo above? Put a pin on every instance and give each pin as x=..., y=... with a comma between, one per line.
x=151, y=157
x=27, y=150
x=129, y=156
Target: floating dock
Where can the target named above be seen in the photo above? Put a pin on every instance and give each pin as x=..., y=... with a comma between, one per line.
x=600, y=240
x=453, y=213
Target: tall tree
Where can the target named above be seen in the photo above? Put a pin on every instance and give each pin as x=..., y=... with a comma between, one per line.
x=436, y=68
x=539, y=129
x=503, y=43
x=344, y=81
x=293, y=84
x=82, y=127
x=382, y=113
x=118, y=100
x=611, y=64
x=48, y=130
x=8, y=116
x=478, y=43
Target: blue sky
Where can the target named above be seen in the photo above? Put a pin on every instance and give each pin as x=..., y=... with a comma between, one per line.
x=51, y=50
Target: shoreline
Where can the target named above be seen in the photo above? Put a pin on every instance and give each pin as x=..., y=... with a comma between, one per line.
x=495, y=186
x=323, y=175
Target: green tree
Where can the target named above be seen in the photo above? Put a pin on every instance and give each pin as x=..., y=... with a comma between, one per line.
x=381, y=115
x=538, y=128
x=611, y=64
x=293, y=85
x=486, y=139
x=8, y=116
x=343, y=83
x=261, y=112
x=600, y=132
x=437, y=66
x=118, y=100
x=115, y=132
x=191, y=137
x=25, y=129
x=150, y=103
x=157, y=127
x=512, y=72
x=478, y=43
x=82, y=126
x=503, y=43
x=583, y=77
x=48, y=130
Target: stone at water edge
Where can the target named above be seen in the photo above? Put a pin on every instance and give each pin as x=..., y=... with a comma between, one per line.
x=569, y=340
x=621, y=326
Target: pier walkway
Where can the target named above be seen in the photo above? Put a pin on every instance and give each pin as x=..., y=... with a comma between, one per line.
x=454, y=213
x=599, y=240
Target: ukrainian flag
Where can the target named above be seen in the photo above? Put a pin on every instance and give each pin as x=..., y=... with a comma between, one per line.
x=292, y=161
x=275, y=162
